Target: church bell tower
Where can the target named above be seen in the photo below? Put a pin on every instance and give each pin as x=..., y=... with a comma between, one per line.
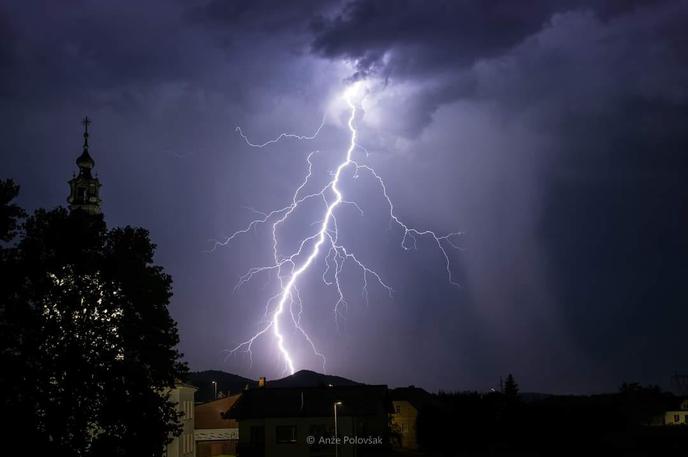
x=84, y=188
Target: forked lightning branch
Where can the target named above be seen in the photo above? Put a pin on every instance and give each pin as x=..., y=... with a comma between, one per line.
x=285, y=307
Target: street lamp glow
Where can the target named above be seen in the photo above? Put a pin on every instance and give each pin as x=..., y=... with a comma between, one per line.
x=336, y=435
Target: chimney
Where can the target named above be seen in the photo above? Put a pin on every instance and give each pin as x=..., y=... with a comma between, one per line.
x=261, y=381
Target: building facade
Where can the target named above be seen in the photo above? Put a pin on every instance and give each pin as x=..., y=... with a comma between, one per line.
x=346, y=421
x=407, y=402
x=403, y=424
x=679, y=416
x=183, y=445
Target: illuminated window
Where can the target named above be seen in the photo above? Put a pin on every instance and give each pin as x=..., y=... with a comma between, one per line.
x=397, y=409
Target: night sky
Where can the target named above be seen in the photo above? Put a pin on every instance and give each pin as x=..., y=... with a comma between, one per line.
x=552, y=134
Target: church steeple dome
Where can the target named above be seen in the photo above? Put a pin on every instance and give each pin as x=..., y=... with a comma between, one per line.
x=84, y=188
x=85, y=160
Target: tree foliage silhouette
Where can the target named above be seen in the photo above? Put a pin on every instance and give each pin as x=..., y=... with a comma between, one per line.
x=88, y=345
x=510, y=388
x=10, y=213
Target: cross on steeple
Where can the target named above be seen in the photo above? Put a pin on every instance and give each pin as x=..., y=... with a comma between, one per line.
x=85, y=122
x=85, y=188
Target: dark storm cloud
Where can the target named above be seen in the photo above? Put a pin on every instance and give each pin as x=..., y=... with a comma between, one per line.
x=165, y=85
x=427, y=36
x=111, y=53
x=551, y=132
x=258, y=14
x=422, y=36
x=507, y=51
x=7, y=40
x=600, y=90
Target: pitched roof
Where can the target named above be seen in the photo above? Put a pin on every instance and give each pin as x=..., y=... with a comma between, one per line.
x=210, y=414
x=361, y=400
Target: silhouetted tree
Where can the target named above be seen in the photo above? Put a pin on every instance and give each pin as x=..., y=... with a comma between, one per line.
x=88, y=343
x=10, y=213
x=510, y=388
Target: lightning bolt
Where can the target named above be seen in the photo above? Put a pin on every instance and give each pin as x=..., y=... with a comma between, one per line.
x=286, y=304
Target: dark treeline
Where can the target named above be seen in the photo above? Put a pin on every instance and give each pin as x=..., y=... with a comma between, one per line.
x=469, y=423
